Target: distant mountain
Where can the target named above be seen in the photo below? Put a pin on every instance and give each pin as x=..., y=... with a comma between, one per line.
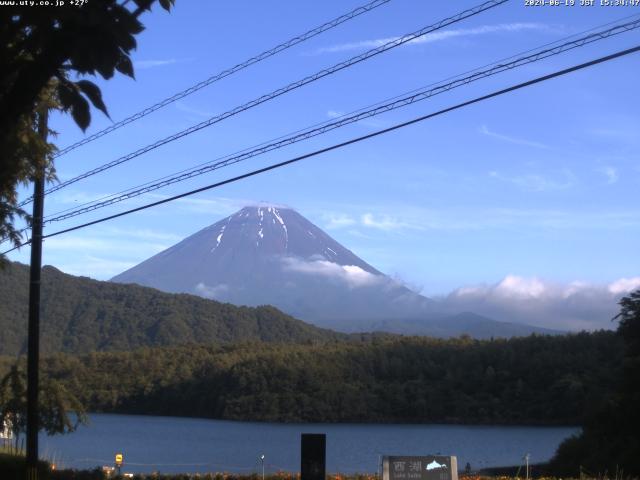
x=271, y=255
x=444, y=326
x=82, y=315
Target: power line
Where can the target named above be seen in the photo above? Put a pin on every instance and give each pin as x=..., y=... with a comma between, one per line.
x=353, y=140
x=511, y=57
x=276, y=93
x=397, y=102
x=580, y=41
x=191, y=172
x=225, y=73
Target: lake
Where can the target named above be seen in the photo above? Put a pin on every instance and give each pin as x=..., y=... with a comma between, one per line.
x=174, y=445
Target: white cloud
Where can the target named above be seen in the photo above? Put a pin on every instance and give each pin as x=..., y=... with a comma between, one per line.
x=357, y=233
x=95, y=266
x=352, y=275
x=211, y=206
x=105, y=251
x=196, y=111
x=337, y=220
x=574, y=288
x=610, y=173
x=120, y=243
x=144, y=234
x=618, y=129
x=385, y=222
x=215, y=292
x=624, y=285
x=405, y=219
x=518, y=141
x=145, y=64
x=576, y=305
x=538, y=183
x=77, y=243
x=265, y=204
x=513, y=286
x=438, y=36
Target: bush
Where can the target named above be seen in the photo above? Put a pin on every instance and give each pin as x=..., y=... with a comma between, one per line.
x=14, y=466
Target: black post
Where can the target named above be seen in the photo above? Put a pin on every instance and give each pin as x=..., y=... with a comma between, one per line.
x=33, y=352
x=313, y=456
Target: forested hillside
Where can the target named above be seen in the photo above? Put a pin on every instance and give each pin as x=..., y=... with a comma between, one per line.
x=533, y=380
x=81, y=315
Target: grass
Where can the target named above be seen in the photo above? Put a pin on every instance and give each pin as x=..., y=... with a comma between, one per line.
x=7, y=447
x=12, y=466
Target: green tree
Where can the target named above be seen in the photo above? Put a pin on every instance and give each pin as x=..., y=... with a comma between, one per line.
x=12, y=401
x=47, y=42
x=56, y=403
x=610, y=441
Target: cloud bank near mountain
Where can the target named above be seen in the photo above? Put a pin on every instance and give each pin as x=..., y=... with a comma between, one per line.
x=573, y=306
x=351, y=275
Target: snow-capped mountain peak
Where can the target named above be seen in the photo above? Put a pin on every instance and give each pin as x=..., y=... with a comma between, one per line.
x=267, y=254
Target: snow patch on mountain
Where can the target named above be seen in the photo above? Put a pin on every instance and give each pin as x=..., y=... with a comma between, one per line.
x=284, y=227
x=218, y=239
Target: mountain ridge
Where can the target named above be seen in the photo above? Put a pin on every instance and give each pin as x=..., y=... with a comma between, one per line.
x=81, y=315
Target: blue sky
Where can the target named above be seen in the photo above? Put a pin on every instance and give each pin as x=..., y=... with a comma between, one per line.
x=537, y=185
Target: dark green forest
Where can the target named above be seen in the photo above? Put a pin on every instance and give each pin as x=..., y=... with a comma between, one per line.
x=610, y=438
x=131, y=349
x=80, y=315
x=532, y=380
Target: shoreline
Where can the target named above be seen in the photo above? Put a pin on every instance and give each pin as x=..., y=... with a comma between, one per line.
x=14, y=465
x=354, y=423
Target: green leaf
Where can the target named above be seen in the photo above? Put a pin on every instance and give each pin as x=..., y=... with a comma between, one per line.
x=125, y=66
x=94, y=94
x=146, y=4
x=167, y=4
x=80, y=112
x=66, y=93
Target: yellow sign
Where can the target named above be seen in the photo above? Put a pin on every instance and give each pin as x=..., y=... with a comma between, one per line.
x=118, y=459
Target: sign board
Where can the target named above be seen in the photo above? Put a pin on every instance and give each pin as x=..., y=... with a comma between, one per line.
x=5, y=430
x=428, y=467
x=118, y=459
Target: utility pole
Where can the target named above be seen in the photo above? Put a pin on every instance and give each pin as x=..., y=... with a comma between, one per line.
x=33, y=349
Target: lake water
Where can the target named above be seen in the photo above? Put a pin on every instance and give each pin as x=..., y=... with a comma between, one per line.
x=174, y=445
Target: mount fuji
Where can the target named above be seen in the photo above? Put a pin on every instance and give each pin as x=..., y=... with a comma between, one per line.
x=271, y=255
